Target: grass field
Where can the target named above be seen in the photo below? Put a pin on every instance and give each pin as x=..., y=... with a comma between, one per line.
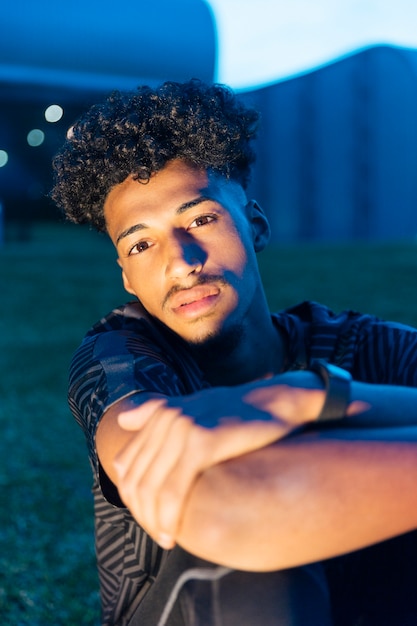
x=54, y=286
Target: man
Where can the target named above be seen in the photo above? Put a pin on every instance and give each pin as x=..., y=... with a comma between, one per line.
x=233, y=461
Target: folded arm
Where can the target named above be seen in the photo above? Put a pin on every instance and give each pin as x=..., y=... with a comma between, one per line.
x=307, y=498
x=154, y=447
x=223, y=488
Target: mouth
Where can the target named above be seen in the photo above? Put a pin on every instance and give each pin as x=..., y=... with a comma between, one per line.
x=195, y=301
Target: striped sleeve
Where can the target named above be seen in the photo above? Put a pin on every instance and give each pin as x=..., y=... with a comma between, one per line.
x=387, y=354
x=373, y=350
x=116, y=362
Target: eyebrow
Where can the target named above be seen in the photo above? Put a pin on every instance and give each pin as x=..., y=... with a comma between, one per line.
x=181, y=209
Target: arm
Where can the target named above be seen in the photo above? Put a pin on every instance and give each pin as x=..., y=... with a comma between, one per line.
x=165, y=443
x=218, y=492
x=307, y=498
x=314, y=495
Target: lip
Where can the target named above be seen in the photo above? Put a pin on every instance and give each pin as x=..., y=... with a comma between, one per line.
x=194, y=301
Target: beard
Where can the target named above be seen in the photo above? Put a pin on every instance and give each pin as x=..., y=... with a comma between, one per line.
x=216, y=347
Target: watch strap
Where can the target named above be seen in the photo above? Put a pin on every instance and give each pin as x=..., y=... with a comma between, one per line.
x=337, y=386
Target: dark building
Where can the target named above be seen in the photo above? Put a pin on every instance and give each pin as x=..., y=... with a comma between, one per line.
x=338, y=151
x=71, y=56
x=338, y=148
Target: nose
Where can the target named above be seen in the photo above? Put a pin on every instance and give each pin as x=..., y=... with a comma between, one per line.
x=185, y=256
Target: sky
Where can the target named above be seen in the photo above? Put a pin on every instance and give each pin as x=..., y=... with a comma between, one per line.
x=261, y=41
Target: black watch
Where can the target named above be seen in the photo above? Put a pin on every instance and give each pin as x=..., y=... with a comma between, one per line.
x=337, y=385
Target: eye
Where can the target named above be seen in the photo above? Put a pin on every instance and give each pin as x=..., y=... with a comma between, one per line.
x=202, y=220
x=139, y=247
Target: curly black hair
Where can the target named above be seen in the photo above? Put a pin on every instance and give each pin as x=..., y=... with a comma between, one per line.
x=137, y=133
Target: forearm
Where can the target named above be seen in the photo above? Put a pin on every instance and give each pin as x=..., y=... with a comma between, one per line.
x=310, y=497
x=264, y=411
x=160, y=459
x=166, y=443
x=371, y=405
x=384, y=406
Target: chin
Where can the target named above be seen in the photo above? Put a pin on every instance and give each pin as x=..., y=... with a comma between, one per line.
x=216, y=344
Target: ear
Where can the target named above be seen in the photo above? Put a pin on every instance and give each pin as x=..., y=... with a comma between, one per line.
x=261, y=231
x=126, y=283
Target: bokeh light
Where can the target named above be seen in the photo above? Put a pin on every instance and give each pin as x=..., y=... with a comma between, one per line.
x=54, y=113
x=4, y=157
x=35, y=137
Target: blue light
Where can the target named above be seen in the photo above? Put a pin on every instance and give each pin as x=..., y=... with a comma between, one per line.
x=4, y=157
x=36, y=137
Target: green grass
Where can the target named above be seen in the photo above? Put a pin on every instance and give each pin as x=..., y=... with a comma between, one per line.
x=54, y=287
x=372, y=278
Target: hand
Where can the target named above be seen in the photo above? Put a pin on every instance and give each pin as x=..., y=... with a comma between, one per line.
x=178, y=438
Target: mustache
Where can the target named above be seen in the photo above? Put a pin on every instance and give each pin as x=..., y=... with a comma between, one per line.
x=201, y=280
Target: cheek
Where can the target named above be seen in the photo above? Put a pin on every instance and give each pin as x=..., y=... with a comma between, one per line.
x=146, y=280
x=229, y=239
x=236, y=253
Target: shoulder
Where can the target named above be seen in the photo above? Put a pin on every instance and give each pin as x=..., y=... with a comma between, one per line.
x=371, y=348
x=314, y=331
x=126, y=317
x=128, y=351
x=130, y=330
x=314, y=313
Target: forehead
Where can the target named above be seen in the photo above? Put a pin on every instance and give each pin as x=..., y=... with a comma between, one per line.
x=176, y=177
x=177, y=183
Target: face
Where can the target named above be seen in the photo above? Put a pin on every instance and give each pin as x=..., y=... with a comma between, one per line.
x=187, y=243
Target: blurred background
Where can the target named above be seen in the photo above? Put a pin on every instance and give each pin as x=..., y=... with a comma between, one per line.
x=336, y=84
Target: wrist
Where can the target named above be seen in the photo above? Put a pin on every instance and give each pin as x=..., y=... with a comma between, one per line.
x=295, y=396
x=337, y=383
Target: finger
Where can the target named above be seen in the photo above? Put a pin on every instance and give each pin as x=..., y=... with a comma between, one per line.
x=142, y=448
x=157, y=490
x=174, y=492
x=142, y=457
